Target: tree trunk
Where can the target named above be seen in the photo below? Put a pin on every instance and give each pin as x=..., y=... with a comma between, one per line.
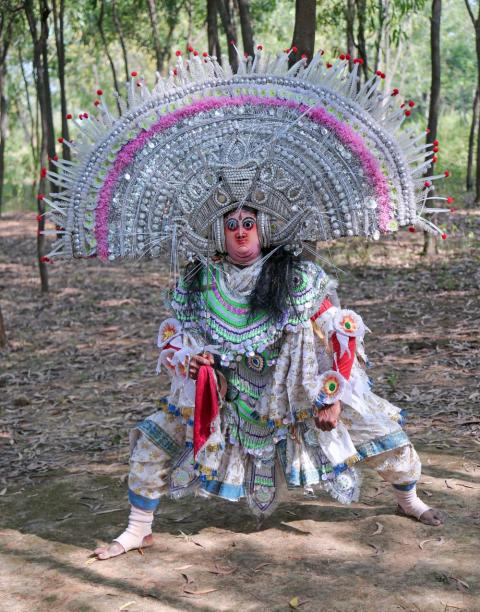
x=107, y=52
x=42, y=82
x=246, y=26
x=3, y=335
x=477, y=45
x=362, y=45
x=476, y=25
x=382, y=8
x=58, y=24
x=121, y=38
x=226, y=17
x=471, y=141
x=304, y=30
x=33, y=130
x=350, y=25
x=212, y=30
x=5, y=39
x=430, y=245
x=152, y=11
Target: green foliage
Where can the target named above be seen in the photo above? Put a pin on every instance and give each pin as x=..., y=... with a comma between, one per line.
x=407, y=64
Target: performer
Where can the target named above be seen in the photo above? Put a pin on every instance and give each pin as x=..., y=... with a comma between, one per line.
x=238, y=175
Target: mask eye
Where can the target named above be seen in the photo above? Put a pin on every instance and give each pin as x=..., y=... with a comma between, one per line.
x=248, y=223
x=231, y=224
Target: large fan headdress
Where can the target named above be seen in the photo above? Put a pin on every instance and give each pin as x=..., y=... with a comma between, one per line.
x=316, y=156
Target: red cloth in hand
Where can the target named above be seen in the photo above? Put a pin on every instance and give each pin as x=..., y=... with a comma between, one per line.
x=344, y=363
x=206, y=406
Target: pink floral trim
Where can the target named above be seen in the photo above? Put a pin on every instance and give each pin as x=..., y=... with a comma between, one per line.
x=319, y=115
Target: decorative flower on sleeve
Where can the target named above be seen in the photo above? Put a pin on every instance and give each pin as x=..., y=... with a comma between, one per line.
x=169, y=333
x=332, y=386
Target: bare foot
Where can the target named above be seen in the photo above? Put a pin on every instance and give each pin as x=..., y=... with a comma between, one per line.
x=429, y=517
x=115, y=548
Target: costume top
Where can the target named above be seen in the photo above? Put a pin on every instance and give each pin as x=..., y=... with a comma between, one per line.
x=276, y=369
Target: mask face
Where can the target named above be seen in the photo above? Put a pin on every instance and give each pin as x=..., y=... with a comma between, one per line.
x=241, y=236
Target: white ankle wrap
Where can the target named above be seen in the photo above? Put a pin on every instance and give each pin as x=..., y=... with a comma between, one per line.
x=410, y=503
x=139, y=526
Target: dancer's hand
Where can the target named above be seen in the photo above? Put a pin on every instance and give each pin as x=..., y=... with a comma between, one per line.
x=198, y=360
x=327, y=418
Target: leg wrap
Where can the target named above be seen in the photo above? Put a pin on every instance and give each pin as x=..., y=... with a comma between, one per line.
x=139, y=526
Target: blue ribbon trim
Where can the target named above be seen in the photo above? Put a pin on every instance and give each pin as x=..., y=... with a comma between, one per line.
x=144, y=503
x=159, y=437
x=225, y=490
x=405, y=487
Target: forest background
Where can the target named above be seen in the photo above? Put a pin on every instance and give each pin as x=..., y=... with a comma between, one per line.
x=96, y=44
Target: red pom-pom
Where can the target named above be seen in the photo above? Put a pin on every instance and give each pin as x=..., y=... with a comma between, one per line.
x=40, y=196
x=43, y=173
x=446, y=173
x=304, y=56
x=383, y=75
x=408, y=113
x=189, y=48
x=434, y=159
x=412, y=229
x=195, y=53
x=427, y=184
x=80, y=116
x=294, y=49
x=411, y=103
x=348, y=56
x=402, y=105
x=60, y=140
x=85, y=115
x=175, y=72
x=205, y=54
x=39, y=218
x=378, y=73
x=99, y=92
x=69, y=116
x=178, y=53
x=134, y=73
x=444, y=236
x=322, y=52
x=450, y=200
x=435, y=143
x=97, y=102
x=259, y=47
x=436, y=149
x=395, y=92
x=342, y=56
x=427, y=130
x=453, y=210
x=44, y=259
x=55, y=158
x=329, y=65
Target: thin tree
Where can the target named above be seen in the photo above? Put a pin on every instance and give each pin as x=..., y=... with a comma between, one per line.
x=59, y=29
x=212, y=30
x=121, y=38
x=37, y=17
x=101, y=29
x=6, y=31
x=476, y=25
x=361, y=41
x=471, y=140
x=304, y=30
x=226, y=16
x=246, y=26
x=153, y=14
x=350, y=29
x=430, y=242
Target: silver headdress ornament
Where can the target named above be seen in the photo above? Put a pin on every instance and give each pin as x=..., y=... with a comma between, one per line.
x=316, y=156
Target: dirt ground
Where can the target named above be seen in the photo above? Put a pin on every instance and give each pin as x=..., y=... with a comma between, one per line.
x=79, y=371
